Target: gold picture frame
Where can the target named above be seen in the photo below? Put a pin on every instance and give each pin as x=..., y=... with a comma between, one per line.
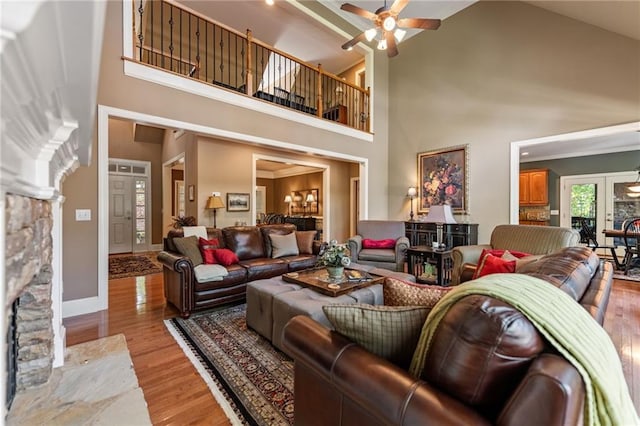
x=443, y=179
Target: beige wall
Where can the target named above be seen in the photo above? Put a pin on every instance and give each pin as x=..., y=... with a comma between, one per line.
x=350, y=74
x=122, y=145
x=233, y=172
x=499, y=72
x=286, y=186
x=270, y=200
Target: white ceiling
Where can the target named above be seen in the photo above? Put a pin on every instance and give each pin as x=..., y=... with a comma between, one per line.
x=621, y=142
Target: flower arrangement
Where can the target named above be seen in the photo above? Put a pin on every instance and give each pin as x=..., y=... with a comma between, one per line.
x=443, y=184
x=334, y=255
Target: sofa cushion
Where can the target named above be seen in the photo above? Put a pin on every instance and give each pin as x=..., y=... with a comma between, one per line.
x=387, y=243
x=401, y=293
x=225, y=257
x=283, y=245
x=245, y=241
x=377, y=255
x=207, y=248
x=390, y=332
x=305, y=241
x=188, y=246
x=278, y=229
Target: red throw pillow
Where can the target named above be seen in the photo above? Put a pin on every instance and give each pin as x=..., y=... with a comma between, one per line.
x=389, y=243
x=226, y=257
x=495, y=265
x=207, y=248
x=499, y=254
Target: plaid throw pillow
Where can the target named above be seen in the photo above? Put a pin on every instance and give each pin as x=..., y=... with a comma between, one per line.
x=390, y=332
x=400, y=293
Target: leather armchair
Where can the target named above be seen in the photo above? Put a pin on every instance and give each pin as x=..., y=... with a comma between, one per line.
x=392, y=259
x=537, y=240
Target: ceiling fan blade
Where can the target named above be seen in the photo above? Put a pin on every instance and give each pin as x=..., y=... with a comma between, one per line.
x=357, y=39
x=397, y=6
x=392, y=49
x=422, y=23
x=359, y=11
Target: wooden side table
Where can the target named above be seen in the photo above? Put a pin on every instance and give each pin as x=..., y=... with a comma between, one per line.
x=429, y=265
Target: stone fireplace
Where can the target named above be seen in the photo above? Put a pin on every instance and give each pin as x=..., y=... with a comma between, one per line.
x=28, y=274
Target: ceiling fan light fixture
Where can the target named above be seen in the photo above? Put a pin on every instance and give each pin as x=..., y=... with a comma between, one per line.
x=399, y=34
x=370, y=34
x=382, y=44
x=389, y=23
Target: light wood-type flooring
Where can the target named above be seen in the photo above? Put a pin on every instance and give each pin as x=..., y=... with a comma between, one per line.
x=176, y=394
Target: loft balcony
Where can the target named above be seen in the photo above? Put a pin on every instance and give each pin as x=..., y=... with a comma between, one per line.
x=176, y=39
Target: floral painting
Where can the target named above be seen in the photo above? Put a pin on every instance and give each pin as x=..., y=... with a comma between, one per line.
x=442, y=176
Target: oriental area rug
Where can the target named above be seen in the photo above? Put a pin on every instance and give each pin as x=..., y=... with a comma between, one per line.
x=633, y=275
x=251, y=380
x=133, y=265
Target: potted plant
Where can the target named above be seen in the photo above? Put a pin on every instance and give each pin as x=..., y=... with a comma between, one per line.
x=334, y=257
x=180, y=221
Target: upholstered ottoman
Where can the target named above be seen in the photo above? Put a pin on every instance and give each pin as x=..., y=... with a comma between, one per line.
x=305, y=302
x=260, y=303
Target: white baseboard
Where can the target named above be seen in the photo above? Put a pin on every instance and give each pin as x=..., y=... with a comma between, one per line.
x=72, y=308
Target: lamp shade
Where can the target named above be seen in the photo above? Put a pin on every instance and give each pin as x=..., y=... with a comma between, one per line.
x=214, y=202
x=309, y=198
x=412, y=192
x=440, y=214
x=288, y=199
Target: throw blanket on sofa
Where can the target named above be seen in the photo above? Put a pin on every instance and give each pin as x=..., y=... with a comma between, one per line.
x=566, y=325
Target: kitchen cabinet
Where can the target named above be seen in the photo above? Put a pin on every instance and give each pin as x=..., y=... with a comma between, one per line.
x=534, y=187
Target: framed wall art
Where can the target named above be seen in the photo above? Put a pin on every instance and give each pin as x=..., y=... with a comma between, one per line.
x=442, y=177
x=237, y=202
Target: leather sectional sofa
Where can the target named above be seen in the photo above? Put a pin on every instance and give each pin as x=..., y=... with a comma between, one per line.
x=251, y=244
x=487, y=363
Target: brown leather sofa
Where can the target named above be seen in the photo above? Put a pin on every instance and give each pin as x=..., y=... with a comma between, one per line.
x=252, y=246
x=487, y=364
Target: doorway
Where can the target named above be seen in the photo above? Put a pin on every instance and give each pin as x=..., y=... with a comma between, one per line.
x=602, y=200
x=129, y=206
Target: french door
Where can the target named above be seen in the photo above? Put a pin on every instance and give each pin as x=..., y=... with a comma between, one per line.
x=601, y=199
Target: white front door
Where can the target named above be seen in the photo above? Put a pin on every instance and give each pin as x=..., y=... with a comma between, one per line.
x=120, y=216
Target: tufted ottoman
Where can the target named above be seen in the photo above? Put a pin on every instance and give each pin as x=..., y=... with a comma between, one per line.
x=260, y=303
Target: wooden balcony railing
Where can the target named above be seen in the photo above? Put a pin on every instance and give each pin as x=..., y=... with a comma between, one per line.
x=182, y=41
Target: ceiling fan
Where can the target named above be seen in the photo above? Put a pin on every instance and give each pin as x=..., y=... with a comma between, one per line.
x=386, y=19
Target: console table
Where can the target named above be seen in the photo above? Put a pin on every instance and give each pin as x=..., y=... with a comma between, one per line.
x=453, y=234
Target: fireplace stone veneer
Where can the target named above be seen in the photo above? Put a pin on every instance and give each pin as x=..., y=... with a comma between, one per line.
x=28, y=274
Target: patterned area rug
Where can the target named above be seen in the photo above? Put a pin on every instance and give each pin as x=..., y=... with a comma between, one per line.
x=250, y=379
x=634, y=275
x=133, y=265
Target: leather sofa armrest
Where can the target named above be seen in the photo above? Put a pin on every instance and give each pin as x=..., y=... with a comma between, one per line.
x=355, y=245
x=174, y=261
x=337, y=379
x=462, y=255
x=551, y=382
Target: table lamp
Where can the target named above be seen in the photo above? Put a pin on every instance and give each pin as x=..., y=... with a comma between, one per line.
x=214, y=203
x=309, y=200
x=288, y=200
x=440, y=215
x=411, y=193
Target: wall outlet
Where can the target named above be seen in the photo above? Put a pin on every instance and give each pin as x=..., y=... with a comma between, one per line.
x=83, y=215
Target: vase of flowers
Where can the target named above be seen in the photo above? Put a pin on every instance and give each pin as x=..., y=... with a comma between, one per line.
x=334, y=257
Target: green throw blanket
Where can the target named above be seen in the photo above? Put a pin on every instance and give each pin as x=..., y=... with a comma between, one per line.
x=566, y=325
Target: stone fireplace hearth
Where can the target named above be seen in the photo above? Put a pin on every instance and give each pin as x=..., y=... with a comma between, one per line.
x=28, y=274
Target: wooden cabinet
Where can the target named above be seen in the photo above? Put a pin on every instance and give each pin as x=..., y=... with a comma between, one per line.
x=454, y=234
x=534, y=187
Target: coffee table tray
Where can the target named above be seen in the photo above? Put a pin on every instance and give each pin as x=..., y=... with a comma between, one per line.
x=318, y=280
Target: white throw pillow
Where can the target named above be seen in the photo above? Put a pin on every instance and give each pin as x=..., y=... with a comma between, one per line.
x=206, y=273
x=198, y=231
x=284, y=245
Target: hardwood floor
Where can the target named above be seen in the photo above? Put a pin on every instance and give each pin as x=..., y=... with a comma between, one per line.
x=175, y=392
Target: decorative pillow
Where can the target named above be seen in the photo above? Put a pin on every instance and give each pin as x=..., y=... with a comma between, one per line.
x=283, y=245
x=506, y=254
x=225, y=257
x=495, y=265
x=401, y=293
x=305, y=241
x=391, y=332
x=389, y=243
x=206, y=249
x=206, y=273
x=188, y=246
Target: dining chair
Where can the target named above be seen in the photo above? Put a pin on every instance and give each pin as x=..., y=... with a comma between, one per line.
x=631, y=239
x=588, y=234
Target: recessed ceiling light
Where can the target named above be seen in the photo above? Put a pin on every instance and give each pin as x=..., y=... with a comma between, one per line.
x=269, y=2
x=525, y=153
